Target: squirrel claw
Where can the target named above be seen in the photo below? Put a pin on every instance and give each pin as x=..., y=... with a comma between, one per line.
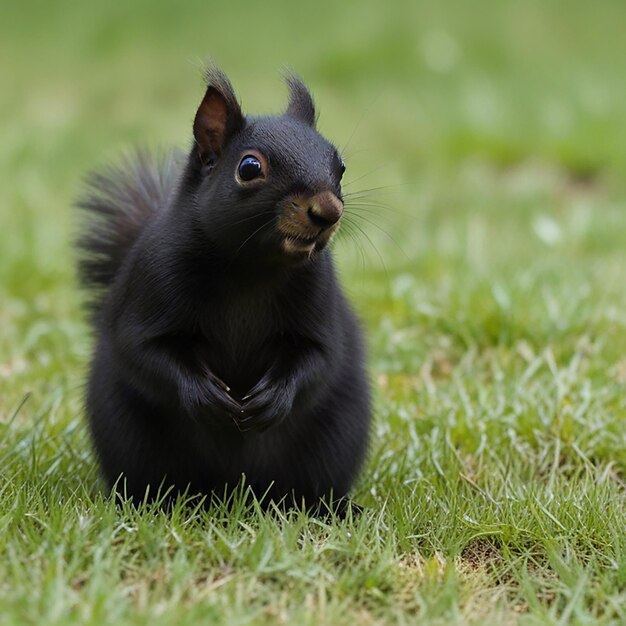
x=219, y=382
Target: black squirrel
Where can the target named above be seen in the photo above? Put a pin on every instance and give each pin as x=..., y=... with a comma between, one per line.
x=224, y=344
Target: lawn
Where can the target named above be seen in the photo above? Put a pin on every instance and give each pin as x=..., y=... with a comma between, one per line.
x=485, y=254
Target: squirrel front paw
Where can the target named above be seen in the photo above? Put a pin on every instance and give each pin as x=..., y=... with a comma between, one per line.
x=265, y=405
x=210, y=397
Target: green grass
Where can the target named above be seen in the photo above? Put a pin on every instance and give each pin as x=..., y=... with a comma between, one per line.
x=495, y=304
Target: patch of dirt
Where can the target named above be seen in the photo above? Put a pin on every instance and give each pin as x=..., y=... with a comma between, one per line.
x=479, y=554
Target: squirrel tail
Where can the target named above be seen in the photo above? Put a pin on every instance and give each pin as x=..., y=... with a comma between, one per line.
x=117, y=203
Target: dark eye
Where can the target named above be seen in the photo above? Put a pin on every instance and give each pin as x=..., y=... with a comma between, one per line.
x=249, y=168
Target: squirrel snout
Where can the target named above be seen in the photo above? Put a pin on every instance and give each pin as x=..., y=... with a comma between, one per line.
x=307, y=222
x=324, y=209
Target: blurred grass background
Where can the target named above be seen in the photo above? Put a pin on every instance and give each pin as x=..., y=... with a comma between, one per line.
x=490, y=275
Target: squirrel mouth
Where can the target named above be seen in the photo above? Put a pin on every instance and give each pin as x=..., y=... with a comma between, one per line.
x=302, y=239
x=299, y=244
x=302, y=246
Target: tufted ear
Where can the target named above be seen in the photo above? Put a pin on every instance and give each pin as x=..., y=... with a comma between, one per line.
x=218, y=118
x=301, y=105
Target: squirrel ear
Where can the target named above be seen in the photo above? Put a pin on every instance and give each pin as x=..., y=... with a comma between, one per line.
x=218, y=118
x=301, y=106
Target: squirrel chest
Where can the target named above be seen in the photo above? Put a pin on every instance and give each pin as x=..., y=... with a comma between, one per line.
x=239, y=338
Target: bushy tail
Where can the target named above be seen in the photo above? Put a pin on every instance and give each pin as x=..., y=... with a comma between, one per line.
x=118, y=203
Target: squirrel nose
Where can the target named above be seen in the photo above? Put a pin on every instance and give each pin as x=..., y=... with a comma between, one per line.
x=325, y=209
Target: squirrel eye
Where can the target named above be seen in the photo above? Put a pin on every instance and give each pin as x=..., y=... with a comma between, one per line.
x=249, y=168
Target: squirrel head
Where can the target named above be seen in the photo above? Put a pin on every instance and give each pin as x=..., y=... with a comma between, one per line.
x=265, y=188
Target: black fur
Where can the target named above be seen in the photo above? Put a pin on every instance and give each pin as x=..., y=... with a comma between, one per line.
x=218, y=354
